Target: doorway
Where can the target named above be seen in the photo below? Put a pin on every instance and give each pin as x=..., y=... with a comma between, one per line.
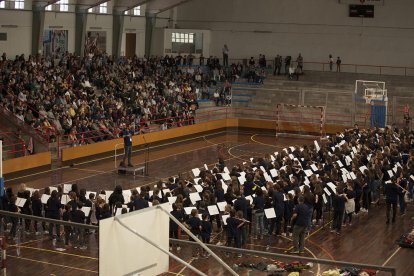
x=130, y=44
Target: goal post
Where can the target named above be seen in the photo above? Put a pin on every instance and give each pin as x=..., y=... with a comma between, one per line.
x=300, y=120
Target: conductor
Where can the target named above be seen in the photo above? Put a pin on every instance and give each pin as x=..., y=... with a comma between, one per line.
x=127, y=148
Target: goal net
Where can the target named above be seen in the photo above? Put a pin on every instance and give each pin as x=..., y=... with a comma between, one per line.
x=300, y=120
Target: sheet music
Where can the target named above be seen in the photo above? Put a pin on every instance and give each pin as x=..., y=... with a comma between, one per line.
x=221, y=205
x=213, y=210
x=270, y=213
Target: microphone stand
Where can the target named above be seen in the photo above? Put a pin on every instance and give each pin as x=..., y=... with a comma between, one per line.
x=146, y=155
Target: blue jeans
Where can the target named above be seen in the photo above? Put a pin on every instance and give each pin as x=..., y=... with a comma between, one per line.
x=259, y=223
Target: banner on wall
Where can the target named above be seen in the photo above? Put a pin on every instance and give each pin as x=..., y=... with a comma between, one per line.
x=362, y=2
x=95, y=42
x=55, y=42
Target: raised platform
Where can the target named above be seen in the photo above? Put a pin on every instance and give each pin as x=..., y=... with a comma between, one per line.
x=131, y=170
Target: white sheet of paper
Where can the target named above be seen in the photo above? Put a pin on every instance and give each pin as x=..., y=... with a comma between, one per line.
x=327, y=191
x=342, y=142
x=86, y=210
x=344, y=178
x=188, y=210
x=221, y=205
x=267, y=177
x=263, y=169
x=291, y=156
x=264, y=188
x=272, y=158
x=67, y=188
x=276, y=153
x=292, y=192
x=340, y=163
x=196, y=180
x=108, y=194
x=301, y=188
x=249, y=198
x=273, y=172
x=270, y=213
x=172, y=199
x=44, y=198
x=314, y=168
x=226, y=170
x=226, y=176
x=353, y=176
x=196, y=172
x=20, y=201
x=324, y=198
x=206, y=167
x=198, y=188
x=292, y=148
x=331, y=185
x=225, y=187
x=224, y=218
x=306, y=181
x=390, y=173
x=194, y=197
x=412, y=177
x=53, y=189
x=363, y=168
x=242, y=179
x=354, y=150
x=316, y=145
x=308, y=173
x=65, y=199
x=213, y=210
x=151, y=193
x=394, y=169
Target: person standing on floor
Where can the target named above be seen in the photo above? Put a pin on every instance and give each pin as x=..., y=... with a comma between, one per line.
x=331, y=61
x=338, y=64
x=127, y=149
x=339, y=209
x=391, y=198
x=225, y=55
x=300, y=222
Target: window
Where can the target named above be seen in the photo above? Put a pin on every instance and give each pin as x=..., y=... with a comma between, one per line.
x=183, y=37
x=2, y=4
x=137, y=11
x=63, y=5
x=103, y=8
x=19, y=4
x=48, y=7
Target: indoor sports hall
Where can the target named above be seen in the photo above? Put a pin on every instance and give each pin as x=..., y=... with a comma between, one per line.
x=193, y=137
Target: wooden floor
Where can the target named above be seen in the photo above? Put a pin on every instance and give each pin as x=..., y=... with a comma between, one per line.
x=368, y=240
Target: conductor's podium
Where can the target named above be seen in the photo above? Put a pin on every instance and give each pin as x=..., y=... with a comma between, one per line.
x=131, y=170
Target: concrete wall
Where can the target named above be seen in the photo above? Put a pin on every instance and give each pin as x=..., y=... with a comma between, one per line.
x=314, y=28
x=19, y=32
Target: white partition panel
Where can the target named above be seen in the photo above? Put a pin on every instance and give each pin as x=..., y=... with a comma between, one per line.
x=121, y=252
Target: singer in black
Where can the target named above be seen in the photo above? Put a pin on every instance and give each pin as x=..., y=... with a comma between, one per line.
x=127, y=149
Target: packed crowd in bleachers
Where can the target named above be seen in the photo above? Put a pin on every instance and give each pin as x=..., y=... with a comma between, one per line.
x=254, y=199
x=98, y=96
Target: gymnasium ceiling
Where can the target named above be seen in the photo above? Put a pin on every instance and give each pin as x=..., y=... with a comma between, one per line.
x=152, y=6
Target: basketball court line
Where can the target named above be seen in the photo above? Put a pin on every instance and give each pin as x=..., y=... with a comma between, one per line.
x=48, y=263
x=86, y=170
x=58, y=252
x=265, y=144
x=392, y=255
